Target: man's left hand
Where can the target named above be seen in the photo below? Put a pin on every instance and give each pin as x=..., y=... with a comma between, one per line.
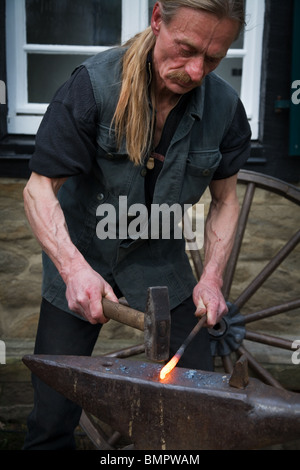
x=209, y=300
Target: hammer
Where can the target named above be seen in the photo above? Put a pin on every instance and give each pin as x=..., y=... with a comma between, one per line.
x=155, y=322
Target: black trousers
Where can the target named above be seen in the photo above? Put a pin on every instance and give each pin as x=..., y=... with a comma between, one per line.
x=52, y=422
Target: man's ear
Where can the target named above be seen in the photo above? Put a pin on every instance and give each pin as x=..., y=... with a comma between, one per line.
x=156, y=19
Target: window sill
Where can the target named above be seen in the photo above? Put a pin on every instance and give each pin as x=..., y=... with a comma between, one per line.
x=15, y=152
x=17, y=145
x=258, y=154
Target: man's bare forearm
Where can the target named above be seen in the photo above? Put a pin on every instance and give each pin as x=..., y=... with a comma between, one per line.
x=48, y=224
x=220, y=229
x=85, y=288
x=220, y=233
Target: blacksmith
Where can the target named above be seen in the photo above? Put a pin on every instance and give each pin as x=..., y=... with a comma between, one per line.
x=152, y=122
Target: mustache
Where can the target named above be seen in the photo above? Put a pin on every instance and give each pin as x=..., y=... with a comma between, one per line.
x=179, y=75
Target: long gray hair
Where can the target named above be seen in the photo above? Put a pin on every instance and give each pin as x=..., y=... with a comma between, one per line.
x=233, y=9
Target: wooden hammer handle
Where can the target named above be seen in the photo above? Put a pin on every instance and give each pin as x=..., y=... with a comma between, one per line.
x=123, y=314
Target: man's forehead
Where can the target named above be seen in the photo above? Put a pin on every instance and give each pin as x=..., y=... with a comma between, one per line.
x=190, y=27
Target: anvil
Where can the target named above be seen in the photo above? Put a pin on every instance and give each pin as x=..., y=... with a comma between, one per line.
x=189, y=410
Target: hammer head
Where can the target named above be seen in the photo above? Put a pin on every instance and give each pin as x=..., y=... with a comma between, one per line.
x=157, y=324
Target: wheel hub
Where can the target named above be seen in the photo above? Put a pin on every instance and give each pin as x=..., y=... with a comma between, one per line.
x=227, y=335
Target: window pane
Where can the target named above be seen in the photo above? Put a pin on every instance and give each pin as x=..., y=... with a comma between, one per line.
x=74, y=22
x=231, y=69
x=46, y=73
x=239, y=43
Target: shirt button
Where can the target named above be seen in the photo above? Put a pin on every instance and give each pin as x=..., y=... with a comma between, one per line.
x=143, y=171
x=100, y=197
x=206, y=172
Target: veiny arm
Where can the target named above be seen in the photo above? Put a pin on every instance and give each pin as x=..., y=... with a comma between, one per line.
x=220, y=229
x=85, y=287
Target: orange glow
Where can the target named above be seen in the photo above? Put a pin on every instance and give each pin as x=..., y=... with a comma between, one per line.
x=169, y=367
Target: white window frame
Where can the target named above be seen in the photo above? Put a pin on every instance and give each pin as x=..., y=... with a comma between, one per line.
x=252, y=62
x=25, y=118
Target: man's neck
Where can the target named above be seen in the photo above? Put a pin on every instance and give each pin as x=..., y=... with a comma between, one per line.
x=163, y=96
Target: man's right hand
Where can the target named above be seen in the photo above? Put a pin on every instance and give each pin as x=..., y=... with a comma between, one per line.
x=85, y=290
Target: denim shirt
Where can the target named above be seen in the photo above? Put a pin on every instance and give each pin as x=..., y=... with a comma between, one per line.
x=190, y=162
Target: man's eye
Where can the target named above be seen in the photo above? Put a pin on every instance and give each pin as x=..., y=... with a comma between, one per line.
x=212, y=60
x=186, y=52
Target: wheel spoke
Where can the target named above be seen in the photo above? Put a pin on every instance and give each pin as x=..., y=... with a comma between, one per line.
x=127, y=352
x=244, y=214
x=268, y=270
x=197, y=262
x=269, y=340
x=114, y=438
x=195, y=254
x=270, y=312
x=96, y=435
x=259, y=370
x=227, y=364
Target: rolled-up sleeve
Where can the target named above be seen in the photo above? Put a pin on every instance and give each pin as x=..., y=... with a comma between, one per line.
x=66, y=139
x=236, y=145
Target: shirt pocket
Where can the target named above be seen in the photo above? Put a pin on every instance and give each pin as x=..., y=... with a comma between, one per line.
x=203, y=163
x=114, y=166
x=199, y=171
x=107, y=145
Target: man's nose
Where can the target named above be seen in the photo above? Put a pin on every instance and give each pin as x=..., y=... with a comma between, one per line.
x=195, y=69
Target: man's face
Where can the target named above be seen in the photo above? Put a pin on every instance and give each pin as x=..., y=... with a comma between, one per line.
x=189, y=48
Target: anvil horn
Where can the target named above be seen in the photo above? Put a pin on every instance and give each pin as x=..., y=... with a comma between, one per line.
x=190, y=410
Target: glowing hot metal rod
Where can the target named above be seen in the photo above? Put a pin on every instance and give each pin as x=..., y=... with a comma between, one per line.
x=176, y=358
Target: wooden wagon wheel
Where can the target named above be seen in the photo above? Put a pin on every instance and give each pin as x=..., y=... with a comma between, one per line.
x=229, y=336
